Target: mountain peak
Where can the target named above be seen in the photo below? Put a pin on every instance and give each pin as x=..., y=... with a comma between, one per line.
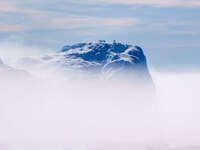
x=107, y=58
x=104, y=52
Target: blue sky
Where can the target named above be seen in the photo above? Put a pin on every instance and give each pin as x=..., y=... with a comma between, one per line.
x=167, y=30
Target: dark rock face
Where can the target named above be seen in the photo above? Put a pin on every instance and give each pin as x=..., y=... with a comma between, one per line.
x=112, y=59
x=106, y=53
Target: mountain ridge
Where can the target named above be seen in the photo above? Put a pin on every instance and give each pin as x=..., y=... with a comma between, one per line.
x=106, y=58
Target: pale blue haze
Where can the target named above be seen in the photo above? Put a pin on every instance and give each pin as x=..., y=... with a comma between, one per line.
x=169, y=35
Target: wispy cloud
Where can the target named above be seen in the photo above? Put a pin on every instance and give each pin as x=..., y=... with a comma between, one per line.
x=47, y=19
x=156, y=3
x=86, y=21
x=14, y=8
x=181, y=27
x=10, y=28
x=161, y=3
x=6, y=7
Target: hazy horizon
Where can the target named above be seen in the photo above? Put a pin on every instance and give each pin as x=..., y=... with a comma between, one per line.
x=98, y=96
x=168, y=31
x=52, y=112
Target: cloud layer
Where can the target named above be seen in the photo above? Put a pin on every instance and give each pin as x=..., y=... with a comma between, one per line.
x=156, y=3
x=53, y=24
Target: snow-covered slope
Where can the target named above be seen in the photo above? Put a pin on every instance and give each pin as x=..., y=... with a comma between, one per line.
x=109, y=60
x=105, y=60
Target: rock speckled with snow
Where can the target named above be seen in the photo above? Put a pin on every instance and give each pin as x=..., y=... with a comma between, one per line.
x=103, y=58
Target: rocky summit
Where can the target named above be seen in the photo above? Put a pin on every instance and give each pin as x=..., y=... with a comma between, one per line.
x=104, y=58
x=108, y=60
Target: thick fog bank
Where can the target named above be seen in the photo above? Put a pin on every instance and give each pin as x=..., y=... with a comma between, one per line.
x=57, y=113
x=178, y=100
x=50, y=110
